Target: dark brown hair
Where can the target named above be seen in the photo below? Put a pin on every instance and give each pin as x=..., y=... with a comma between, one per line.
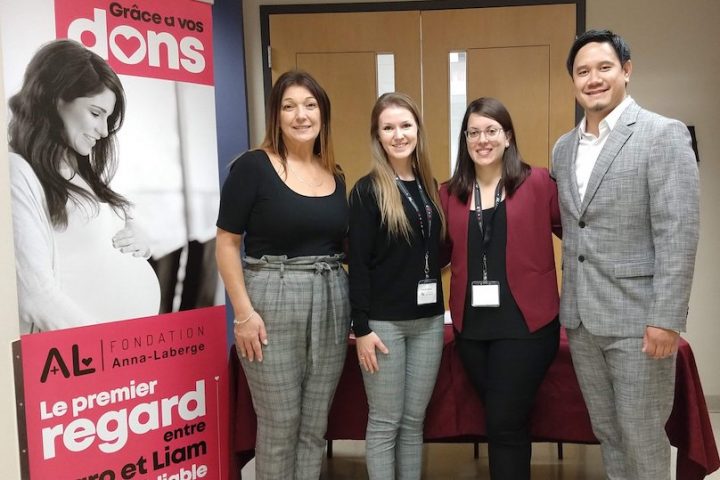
x=273, y=135
x=65, y=70
x=619, y=45
x=514, y=170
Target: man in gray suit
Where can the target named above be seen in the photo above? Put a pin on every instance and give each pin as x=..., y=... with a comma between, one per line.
x=629, y=198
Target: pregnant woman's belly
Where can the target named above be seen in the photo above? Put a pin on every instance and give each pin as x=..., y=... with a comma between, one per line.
x=108, y=284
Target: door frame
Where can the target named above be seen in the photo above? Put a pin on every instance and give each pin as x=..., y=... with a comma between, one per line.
x=267, y=10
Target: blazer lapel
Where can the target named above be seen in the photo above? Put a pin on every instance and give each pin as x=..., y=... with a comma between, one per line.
x=615, y=142
x=572, y=145
x=563, y=168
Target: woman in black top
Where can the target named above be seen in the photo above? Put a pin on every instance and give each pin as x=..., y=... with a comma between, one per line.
x=289, y=294
x=395, y=289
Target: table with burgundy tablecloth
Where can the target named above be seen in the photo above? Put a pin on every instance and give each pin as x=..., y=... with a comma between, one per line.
x=455, y=412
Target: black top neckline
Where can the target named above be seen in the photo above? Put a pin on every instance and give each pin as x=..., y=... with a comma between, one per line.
x=279, y=179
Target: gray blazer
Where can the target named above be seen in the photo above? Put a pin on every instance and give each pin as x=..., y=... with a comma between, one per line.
x=629, y=246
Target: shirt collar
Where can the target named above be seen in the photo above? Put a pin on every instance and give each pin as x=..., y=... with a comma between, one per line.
x=608, y=123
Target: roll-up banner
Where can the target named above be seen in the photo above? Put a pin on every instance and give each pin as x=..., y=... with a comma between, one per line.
x=114, y=185
x=114, y=181
x=136, y=399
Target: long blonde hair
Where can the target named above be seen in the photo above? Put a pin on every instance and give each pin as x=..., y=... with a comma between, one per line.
x=392, y=213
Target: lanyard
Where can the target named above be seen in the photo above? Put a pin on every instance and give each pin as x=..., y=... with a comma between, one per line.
x=428, y=212
x=486, y=230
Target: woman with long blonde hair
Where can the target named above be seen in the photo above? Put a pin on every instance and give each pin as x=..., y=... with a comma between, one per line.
x=396, y=224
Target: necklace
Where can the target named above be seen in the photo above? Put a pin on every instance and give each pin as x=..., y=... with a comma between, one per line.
x=310, y=184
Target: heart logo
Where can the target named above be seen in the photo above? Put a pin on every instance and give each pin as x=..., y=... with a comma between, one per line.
x=86, y=361
x=217, y=378
x=128, y=46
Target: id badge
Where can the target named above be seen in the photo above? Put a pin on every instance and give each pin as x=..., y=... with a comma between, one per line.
x=485, y=294
x=427, y=292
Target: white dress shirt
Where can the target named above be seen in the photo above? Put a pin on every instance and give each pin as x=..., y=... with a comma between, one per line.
x=590, y=146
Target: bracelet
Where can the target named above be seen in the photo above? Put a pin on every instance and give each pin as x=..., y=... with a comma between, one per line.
x=240, y=322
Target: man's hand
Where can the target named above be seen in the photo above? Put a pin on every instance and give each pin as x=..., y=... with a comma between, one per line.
x=660, y=342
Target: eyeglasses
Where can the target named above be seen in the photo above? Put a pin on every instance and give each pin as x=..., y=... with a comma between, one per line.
x=490, y=134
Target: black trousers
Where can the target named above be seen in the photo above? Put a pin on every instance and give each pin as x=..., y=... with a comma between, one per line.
x=507, y=374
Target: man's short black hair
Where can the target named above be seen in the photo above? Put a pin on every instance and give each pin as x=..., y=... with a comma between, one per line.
x=622, y=49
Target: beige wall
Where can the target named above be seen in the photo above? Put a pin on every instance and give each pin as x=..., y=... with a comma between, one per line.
x=676, y=67
x=9, y=325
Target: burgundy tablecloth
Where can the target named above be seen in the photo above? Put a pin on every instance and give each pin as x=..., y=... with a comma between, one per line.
x=455, y=412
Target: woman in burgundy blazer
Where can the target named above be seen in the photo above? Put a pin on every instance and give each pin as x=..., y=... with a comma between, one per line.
x=533, y=217
x=501, y=214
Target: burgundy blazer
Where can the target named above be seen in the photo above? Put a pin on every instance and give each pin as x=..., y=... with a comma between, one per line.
x=532, y=217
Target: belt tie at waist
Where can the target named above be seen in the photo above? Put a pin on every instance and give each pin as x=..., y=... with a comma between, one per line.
x=323, y=288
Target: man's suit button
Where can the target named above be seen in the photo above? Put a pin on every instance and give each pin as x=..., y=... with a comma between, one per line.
x=581, y=224
x=581, y=258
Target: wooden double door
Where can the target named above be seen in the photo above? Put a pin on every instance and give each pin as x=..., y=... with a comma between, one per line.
x=516, y=54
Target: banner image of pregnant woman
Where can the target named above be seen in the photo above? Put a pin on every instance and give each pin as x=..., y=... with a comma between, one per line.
x=143, y=399
x=113, y=158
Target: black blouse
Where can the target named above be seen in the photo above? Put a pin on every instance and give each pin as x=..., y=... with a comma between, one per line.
x=384, y=270
x=487, y=323
x=275, y=219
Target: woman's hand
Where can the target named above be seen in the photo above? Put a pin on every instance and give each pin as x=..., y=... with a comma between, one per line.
x=131, y=240
x=250, y=336
x=249, y=327
x=366, y=346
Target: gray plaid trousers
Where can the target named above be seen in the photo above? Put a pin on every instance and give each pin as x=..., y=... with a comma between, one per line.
x=305, y=305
